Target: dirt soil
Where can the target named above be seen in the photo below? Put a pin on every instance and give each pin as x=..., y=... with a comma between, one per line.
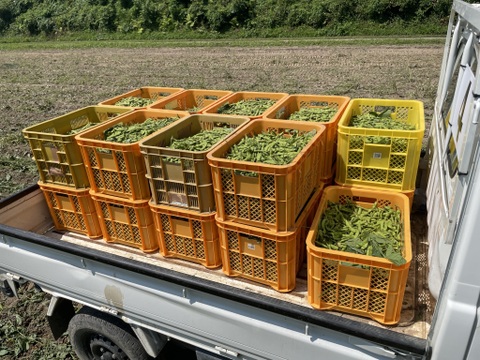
x=38, y=85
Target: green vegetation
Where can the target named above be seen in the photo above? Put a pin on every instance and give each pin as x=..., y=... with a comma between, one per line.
x=382, y=120
x=270, y=147
x=376, y=231
x=248, y=18
x=201, y=141
x=22, y=329
x=248, y=107
x=87, y=126
x=131, y=133
x=134, y=101
x=70, y=43
x=313, y=114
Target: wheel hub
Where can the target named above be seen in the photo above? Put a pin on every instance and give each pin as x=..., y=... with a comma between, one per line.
x=103, y=349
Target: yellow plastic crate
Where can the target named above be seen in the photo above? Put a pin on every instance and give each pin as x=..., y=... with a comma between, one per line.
x=56, y=153
x=363, y=285
x=188, y=182
x=392, y=164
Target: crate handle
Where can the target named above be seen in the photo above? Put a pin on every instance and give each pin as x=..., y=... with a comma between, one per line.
x=252, y=238
x=364, y=199
x=117, y=206
x=222, y=124
x=210, y=97
x=171, y=105
x=246, y=173
x=382, y=109
x=319, y=103
x=281, y=113
x=179, y=218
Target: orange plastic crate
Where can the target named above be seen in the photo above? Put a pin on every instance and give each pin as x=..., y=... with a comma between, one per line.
x=358, y=284
x=193, y=100
x=275, y=196
x=126, y=222
x=187, y=183
x=264, y=256
x=72, y=209
x=244, y=95
x=148, y=92
x=115, y=168
x=56, y=152
x=283, y=109
x=187, y=235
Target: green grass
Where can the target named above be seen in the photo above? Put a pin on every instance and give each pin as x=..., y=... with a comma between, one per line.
x=19, y=326
x=350, y=33
x=256, y=42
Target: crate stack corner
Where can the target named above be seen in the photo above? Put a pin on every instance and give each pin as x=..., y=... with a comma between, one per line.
x=62, y=173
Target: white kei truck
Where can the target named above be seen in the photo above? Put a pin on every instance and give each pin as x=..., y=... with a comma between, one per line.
x=132, y=305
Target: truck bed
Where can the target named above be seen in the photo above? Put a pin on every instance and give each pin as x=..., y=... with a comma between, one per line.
x=25, y=215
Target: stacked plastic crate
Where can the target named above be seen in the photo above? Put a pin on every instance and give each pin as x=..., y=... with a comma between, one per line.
x=62, y=172
x=180, y=178
x=264, y=210
x=116, y=170
x=379, y=143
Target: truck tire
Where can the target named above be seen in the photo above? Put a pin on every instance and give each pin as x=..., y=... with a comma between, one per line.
x=95, y=335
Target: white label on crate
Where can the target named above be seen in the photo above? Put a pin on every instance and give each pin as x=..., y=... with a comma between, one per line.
x=55, y=171
x=251, y=246
x=377, y=155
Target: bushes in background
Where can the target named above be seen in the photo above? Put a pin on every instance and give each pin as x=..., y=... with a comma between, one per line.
x=33, y=17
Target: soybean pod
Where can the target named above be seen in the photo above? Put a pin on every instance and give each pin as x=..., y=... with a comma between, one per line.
x=376, y=231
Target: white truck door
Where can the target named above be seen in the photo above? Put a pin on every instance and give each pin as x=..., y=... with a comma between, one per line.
x=453, y=192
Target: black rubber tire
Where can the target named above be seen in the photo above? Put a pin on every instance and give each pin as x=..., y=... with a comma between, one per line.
x=99, y=336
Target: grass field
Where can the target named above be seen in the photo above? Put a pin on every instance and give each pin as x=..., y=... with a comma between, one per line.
x=37, y=84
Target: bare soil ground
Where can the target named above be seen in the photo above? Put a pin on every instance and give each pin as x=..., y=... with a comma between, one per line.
x=38, y=85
